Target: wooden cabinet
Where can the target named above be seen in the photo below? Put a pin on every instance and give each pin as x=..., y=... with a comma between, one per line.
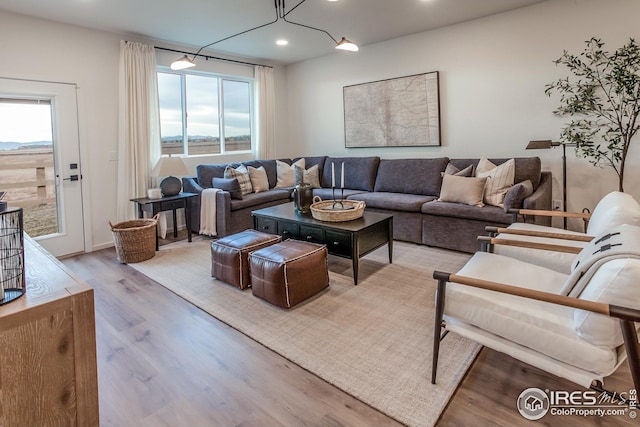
x=48, y=371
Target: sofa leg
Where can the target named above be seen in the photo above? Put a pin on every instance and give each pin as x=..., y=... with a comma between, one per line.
x=440, y=294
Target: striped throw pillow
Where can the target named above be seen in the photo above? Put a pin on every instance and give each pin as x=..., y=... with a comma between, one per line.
x=499, y=180
x=242, y=175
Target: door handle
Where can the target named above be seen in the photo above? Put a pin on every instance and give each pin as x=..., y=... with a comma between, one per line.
x=72, y=178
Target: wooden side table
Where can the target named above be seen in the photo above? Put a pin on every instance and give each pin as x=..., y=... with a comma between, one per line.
x=170, y=203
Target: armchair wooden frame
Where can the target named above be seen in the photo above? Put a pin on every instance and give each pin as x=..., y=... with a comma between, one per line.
x=627, y=316
x=487, y=243
x=585, y=216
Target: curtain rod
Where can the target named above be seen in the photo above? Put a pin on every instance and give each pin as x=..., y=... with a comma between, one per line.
x=207, y=57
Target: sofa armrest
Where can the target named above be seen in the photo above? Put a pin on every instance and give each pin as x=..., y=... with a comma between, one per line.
x=540, y=200
x=223, y=213
x=190, y=185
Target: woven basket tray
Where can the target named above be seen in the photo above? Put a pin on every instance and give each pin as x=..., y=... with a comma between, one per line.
x=322, y=211
x=135, y=240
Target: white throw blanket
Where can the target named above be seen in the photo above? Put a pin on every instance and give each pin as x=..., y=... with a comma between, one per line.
x=208, y=211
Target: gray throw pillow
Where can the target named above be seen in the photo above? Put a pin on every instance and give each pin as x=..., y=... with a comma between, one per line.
x=452, y=170
x=228, y=184
x=516, y=195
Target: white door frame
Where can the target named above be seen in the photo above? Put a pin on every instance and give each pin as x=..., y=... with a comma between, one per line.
x=64, y=100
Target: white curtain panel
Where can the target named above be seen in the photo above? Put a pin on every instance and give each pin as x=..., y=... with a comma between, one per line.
x=139, y=125
x=266, y=109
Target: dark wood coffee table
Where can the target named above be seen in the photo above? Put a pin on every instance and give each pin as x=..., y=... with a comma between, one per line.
x=349, y=239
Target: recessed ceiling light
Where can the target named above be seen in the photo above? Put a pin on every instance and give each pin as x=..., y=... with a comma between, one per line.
x=282, y=42
x=332, y=0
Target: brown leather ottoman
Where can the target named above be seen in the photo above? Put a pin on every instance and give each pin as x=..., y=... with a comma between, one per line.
x=288, y=273
x=229, y=261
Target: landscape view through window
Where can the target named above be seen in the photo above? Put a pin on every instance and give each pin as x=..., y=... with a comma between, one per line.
x=26, y=162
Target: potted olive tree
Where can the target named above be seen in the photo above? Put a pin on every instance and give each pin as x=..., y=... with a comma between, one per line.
x=602, y=96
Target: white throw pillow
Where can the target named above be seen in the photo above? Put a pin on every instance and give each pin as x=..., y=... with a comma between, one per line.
x=259, y=180
x=242, y=175
x=499, y=180
x=286, y=173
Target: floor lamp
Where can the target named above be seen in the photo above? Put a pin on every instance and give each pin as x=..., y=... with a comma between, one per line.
x=546, y=144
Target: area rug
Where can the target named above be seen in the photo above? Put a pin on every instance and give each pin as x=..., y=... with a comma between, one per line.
x=372, y=340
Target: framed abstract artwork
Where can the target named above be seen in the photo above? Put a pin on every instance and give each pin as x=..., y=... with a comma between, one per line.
x=399, y=112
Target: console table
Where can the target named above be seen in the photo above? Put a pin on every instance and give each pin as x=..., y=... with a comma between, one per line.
x=48, y=364
x=349, y=239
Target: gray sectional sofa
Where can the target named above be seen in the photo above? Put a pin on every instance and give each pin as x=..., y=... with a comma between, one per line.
x=406, y=188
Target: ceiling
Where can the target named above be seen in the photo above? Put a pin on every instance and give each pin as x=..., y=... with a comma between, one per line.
x=195, y=23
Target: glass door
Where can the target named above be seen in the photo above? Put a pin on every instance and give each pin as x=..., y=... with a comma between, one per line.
x=39, y=161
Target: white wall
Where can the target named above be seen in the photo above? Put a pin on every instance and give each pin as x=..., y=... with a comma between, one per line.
x=43, y=50
x=493, y=72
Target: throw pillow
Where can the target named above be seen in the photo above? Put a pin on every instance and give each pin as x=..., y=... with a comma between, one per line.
x=259, y=180
x=228, y=184
x=516, y=195
x=308, y=176
x=242, y=175
x=461, y=189
x=452, y=170
x=499, y=180
x=286, y=173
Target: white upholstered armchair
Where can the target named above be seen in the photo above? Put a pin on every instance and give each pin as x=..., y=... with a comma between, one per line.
x=556, y=248
x=579, y=325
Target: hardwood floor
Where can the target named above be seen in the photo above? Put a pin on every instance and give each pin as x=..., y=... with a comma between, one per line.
x=164, y=362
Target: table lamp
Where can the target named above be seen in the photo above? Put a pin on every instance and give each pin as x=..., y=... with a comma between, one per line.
x=168, y=167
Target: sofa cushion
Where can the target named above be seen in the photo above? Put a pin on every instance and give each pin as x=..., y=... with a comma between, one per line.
x=359, y=172
x=411, y=176
x=286, y=173
x=269, y=167
x=312, y=161
x=487, y=213
x=242, y=174
x=616, y=283
x=255, y=199
x=259, y=180
x=526, y=168
x=205, y=173
x=393, y=201
x=228, y=184
x=614, y=209
x=326, y=194
x=452, y=170
x=461, y=189
x=308, y=176
x=516, y=195
x=499, y=180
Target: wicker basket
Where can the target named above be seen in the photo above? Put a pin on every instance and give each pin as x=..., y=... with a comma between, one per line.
x=135, y=239
x=322, y=211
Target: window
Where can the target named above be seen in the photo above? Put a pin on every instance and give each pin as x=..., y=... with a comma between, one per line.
x=204, y=113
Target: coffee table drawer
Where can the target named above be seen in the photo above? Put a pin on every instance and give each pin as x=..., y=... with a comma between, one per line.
x=288, y=230
x=338, y=243
x=266, y=225
x=311, y=234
